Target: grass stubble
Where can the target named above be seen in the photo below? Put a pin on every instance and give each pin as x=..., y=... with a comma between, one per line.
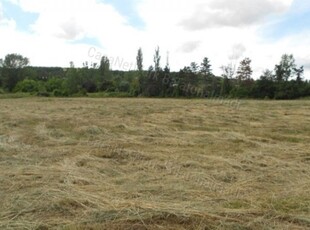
x=154, y=164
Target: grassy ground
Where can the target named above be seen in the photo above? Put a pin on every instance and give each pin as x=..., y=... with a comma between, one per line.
x=154, y=164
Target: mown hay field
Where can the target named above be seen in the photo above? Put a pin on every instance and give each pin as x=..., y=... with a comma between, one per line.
x=81, y=163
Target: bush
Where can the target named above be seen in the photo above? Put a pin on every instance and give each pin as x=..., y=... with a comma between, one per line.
x=27, y=86
x=124, y=86
x=59, y=93
x=53, y=84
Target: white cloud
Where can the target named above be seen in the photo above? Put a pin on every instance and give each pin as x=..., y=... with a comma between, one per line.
x=219, y=13
x=190, y=46
x=63, y=22
x=189, y=30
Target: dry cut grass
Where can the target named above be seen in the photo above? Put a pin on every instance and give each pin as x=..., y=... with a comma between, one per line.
x=154, y=164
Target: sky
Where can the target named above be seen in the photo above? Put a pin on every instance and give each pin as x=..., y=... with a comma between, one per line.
x=56, y=32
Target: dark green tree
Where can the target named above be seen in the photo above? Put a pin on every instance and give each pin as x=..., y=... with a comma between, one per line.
x=285, y=69
x=105, y=82
x=194, y=67
x=206, y=67
x=138, y=82
x=299, y=73
x=104, y=67
x=264, y=87
x=12, y=66
x=244, y=71
x=72, y=84
x=267, y=75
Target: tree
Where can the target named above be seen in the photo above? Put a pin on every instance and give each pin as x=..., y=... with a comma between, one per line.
x=72, y=64
x=267, y=75
x=15, y=61
x=167, y=80
x=265, y=86
x=156, y=59
x=12, y=70
x=285, y=69
x=244, y=71
x=140, y=60
x=206, y=67
x=228, y=70
x=279, y=73
x=299, y=72
x=104, y=67
x=194, y=67
x=104, y=81
x=72, y=84
x=225, y=87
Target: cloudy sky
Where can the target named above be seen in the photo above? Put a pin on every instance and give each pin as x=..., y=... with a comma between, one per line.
x=55, y=32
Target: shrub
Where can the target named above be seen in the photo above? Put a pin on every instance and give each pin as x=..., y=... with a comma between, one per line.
x=59, y=93
x=27, y=86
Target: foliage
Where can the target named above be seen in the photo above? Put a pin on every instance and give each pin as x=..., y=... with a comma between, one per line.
x=15, y=61
x=27, y=86
x=285, y=69
x=244, y=71
x=157, y=58
x=206, y=67
x=285, y=82
x=140, y=60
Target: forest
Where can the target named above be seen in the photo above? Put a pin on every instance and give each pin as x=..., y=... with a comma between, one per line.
x=285, y=81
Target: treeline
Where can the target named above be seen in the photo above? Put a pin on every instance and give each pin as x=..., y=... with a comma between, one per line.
x=196, y=80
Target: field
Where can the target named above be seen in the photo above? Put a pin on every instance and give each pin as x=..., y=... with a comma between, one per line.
x=154, y=164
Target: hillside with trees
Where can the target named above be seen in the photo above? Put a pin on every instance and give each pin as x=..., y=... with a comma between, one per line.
x=285, y=81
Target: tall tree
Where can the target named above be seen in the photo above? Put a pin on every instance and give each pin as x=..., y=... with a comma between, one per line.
x=244, y=71
x=279, y=73
x=228, y=71
x=285, y=69
x=104, y=67
x=299, y=72
x=156, y=59
x=140, y=60
x=206, y=67
x=12, y=67
x=15, y=61
x=194, y=67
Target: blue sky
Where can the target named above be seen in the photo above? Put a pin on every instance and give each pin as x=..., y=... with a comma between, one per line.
x=55, y=32
x=128, y=8
x=23, y=19
x=295, y=20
